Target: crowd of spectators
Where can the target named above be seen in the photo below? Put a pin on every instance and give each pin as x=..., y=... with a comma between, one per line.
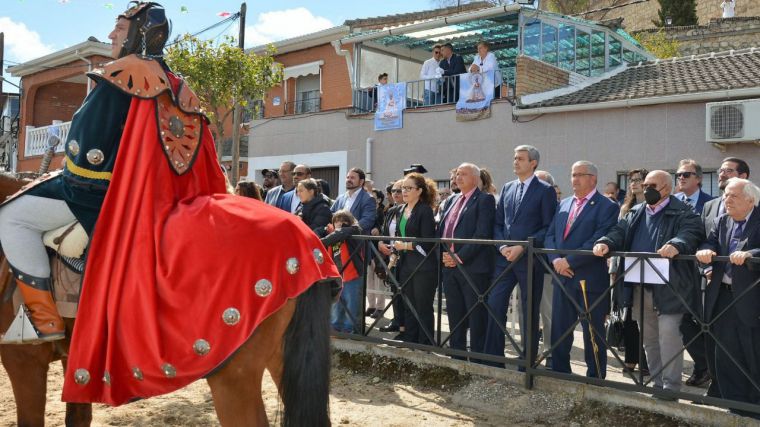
x=653, y=214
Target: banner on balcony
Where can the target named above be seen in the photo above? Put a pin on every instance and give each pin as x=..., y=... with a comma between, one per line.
x=475, y=96
x=391, y=101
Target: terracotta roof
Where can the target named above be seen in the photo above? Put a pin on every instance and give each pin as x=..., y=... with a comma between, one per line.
x=695, y=74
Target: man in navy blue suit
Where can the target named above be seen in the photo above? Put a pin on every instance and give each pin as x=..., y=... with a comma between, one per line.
x=452, y=66
x=580, y=220
x=469, y=215
x=525, y=209
x=689, y=186
x=732, y=301
x=361, y=205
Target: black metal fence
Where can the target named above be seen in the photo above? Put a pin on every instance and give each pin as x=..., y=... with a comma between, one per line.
x=521, y=354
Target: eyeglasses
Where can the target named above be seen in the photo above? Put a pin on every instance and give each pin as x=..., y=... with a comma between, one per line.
x=299, y=173
x=645, y=185
x=406, y=188
x=726, y=170
x=269, y=176
x=436, y=52
x=578, y=175
x=396, y=191
x=634, y=180
x=685, y=174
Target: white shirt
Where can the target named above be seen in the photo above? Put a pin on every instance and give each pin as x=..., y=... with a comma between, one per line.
x=429, y=73
x=728, y=8
x=693, y=199
x=351, y=198
x=295, y=202
x=488, y=64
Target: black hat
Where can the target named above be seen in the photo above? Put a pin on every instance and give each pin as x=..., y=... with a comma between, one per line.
x=265, y=172
x=415, y=167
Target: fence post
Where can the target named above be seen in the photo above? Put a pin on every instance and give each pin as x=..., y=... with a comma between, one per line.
x=528, y=346
x=367, y=261
x=438, y=270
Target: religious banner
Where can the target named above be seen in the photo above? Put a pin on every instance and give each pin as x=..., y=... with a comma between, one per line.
x=475, y=96
x=391, y=101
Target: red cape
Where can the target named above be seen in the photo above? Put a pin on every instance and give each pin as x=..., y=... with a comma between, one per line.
x=169, y=255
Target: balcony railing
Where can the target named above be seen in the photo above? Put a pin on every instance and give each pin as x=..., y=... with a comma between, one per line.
x=423, y=93
x=36, y=141
x=304, y=105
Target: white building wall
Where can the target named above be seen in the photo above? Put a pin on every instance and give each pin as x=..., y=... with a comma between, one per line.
x=654, y=137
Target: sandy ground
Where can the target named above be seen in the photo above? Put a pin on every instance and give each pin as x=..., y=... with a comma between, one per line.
x=356, y=400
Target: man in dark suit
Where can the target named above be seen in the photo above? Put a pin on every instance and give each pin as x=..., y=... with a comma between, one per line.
x=525, y=209
x=703, y=347
x=580, y=220
x=452, y=66
x=469, y=215
x=732, y=301
x=361, y=205
x=689, y=185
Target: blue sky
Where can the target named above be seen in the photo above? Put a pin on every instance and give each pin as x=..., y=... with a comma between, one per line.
x=34, y=28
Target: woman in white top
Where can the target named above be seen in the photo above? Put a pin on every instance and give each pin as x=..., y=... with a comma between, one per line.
x=484, y=62
x=728, y=6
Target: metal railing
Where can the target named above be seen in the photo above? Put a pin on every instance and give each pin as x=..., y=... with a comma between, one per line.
x=423, y=93
x=521, y=354
x=36, y=140
x=303, y=106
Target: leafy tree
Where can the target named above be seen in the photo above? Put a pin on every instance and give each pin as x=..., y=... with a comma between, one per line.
x=658, y=43
x=682, y=12
x=223, y=76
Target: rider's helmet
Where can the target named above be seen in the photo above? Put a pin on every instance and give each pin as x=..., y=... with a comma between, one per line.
x=148, y=29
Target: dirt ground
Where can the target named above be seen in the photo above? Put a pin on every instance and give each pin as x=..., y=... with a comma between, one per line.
x=367, y=392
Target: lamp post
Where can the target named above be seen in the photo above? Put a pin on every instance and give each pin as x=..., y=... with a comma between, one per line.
x=668, y=21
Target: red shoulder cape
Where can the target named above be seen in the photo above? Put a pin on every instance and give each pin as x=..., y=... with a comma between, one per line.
x=169, y=256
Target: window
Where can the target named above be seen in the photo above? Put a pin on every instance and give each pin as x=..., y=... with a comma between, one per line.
x=597, y=53
x=531, y=39
x=549, y=48
x=307, y=94
x=567, y=47
x=583, y=53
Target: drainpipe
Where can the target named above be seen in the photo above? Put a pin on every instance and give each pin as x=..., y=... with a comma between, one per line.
x=346, y=54
x=368, y=159
x=89, y=68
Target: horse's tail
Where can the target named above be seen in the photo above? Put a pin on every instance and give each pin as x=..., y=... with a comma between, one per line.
x=306, y=364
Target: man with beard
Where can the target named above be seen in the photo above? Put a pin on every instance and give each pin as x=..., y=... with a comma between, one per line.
x=356, y=200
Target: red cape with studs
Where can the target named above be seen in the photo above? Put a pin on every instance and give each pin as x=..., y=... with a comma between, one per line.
x=179, y=273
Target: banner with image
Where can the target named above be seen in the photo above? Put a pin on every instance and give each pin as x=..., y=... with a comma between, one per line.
x=475, y=96
x=391, y=101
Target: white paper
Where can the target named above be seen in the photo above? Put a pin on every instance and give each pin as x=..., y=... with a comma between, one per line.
x=650, y=275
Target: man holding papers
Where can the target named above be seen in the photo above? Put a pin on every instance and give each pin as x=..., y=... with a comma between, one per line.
x=665, y=225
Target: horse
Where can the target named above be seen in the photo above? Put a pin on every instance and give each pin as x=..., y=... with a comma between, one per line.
x=293, y=344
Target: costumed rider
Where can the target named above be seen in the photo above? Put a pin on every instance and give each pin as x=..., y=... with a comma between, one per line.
x=77, y=193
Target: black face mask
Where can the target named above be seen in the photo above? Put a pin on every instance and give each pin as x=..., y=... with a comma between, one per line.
x=652, y=196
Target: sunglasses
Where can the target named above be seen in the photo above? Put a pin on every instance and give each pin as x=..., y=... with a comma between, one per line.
x=436, y=52
x=685, y=174
x=396, y=191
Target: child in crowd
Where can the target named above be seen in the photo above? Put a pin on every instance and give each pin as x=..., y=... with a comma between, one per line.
x=348, y=257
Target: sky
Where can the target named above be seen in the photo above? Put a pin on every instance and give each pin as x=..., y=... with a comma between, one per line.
x=34, y=28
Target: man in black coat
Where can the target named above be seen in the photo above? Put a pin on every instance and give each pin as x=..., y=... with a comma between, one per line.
x=452, y=66
x=732, y=302
x=668, y=226
x=469, y=215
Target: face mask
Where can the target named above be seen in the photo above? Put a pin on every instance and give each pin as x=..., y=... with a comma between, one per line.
x=652, y=196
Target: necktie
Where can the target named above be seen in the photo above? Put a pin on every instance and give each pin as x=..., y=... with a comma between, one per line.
x=734, y=242
x=519, y=198
x=688, y=202
x=573, y=215
x=451, y=220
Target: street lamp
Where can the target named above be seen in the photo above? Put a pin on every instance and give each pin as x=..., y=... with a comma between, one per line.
x=668, y=21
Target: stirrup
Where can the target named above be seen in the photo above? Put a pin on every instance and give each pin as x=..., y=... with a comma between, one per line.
x=22, y=331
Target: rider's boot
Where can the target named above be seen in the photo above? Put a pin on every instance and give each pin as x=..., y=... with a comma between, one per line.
x=44, y=313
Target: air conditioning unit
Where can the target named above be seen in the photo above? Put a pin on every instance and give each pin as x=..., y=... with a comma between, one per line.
x=732, y=121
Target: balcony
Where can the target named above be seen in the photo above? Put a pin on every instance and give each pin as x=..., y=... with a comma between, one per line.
x=36, y=140
x=424, y=93
x=304, y=105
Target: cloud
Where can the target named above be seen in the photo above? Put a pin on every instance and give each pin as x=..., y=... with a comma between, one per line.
x=21, y=43
x=283, y=24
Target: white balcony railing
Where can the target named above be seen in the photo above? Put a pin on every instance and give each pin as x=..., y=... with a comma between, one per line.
x=36, y=141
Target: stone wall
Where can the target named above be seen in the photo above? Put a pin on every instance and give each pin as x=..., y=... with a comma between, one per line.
x=639, y=16
x=716, y=36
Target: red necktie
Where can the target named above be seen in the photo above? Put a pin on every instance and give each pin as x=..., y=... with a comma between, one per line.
x=451, y=221
x=573, y=215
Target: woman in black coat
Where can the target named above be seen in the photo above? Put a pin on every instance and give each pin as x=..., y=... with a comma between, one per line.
x=314, y=209
x=416, y=219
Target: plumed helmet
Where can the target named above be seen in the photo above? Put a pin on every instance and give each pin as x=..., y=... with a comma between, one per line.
x=148, y=29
